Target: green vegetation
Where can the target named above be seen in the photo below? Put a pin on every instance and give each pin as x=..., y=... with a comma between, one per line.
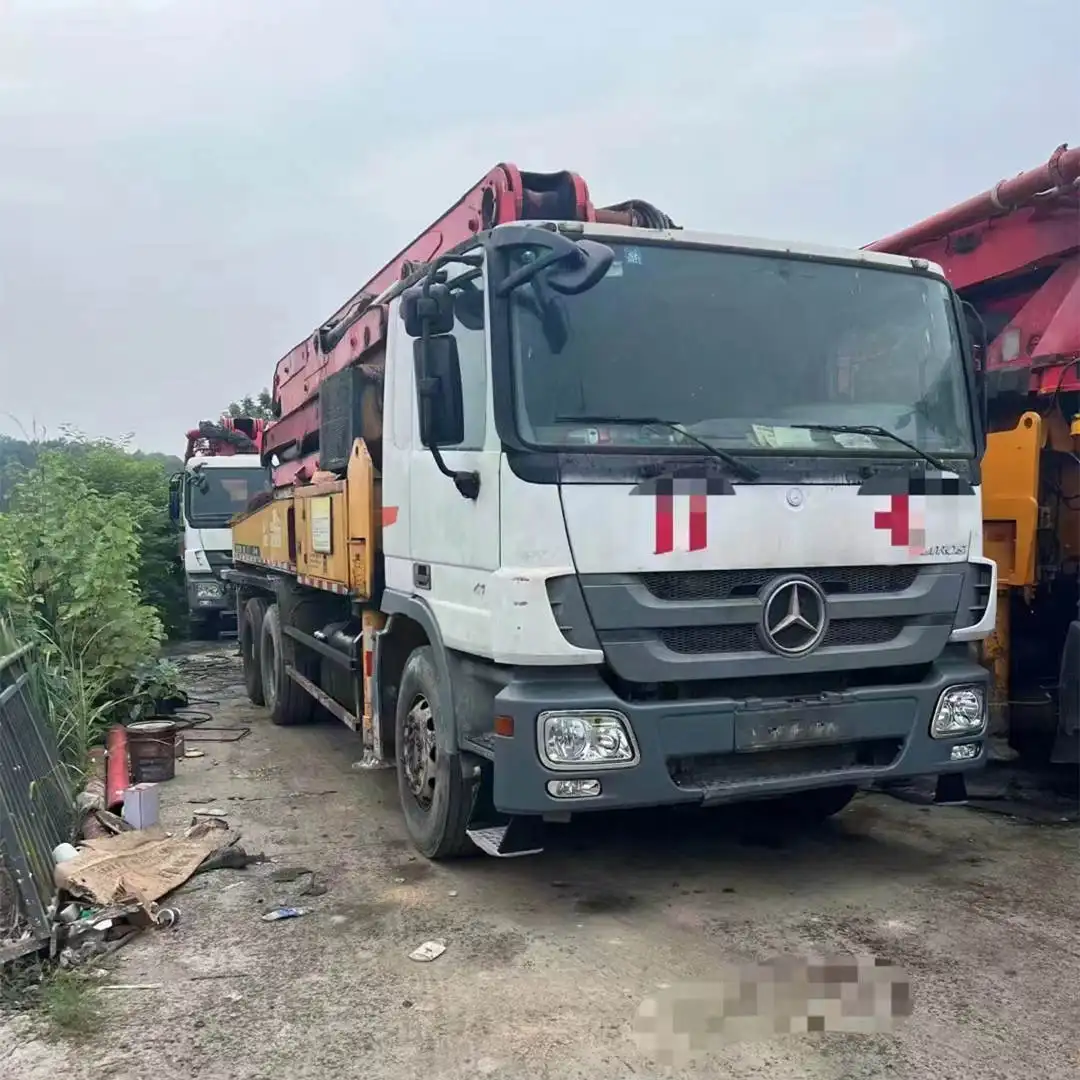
x=89, y=576
x=71, y=1005
x=259, y=408
x=67, y=1001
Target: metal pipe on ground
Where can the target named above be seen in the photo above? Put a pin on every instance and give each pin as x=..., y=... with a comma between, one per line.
x=116, y=767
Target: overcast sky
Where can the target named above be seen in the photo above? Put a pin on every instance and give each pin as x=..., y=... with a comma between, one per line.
x=188, y=187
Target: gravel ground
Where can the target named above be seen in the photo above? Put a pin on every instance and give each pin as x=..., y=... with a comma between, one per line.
x=548, y=958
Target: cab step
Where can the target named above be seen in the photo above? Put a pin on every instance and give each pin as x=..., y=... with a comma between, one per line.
x=518, y=836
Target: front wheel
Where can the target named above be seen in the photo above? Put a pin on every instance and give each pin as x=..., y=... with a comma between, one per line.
x=435, y=797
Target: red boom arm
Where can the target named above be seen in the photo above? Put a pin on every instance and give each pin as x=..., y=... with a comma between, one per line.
x=357, y=331
x=1014, y=253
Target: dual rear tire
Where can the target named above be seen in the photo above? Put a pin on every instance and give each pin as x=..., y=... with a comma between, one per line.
x=266, y=656
x=435, y=793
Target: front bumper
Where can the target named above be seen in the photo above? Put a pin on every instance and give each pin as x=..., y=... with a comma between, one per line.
x=223, y=604
x=722, y=750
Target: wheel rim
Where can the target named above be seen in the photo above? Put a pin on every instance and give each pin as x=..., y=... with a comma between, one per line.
x=418, y=756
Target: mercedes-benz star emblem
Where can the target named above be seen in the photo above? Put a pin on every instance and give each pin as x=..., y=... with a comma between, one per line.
x=794, y=618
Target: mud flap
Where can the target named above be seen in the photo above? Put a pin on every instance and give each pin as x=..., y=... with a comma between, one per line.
x=951, y=790
x=517, y=836
x=498, y=834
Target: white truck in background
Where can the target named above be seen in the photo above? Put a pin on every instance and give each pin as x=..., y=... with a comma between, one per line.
x=222, y=473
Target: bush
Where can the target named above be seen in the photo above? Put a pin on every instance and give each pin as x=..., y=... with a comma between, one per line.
x=84, y=557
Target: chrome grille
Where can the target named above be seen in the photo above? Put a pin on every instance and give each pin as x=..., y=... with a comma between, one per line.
x=744, y=638
x=681, y=586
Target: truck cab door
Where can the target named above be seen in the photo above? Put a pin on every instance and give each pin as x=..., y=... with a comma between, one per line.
x=452, y=541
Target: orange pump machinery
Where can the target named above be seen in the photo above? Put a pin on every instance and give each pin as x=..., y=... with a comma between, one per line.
x=1013, y=254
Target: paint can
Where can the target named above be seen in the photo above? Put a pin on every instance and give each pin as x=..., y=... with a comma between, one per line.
x=152, y=750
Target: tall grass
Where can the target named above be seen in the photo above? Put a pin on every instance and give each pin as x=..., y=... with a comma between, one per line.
x=66, y=692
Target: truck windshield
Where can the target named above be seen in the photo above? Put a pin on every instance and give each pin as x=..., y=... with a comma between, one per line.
x=213, y=496
x=737, y=349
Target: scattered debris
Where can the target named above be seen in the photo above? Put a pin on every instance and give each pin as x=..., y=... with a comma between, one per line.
x=430, y=950
x=140, y=866
x=165, y=917
x=92, y=797
x=134, y=986
x=142, y=806
x=230, y=857
x=194, y=753
x=290, y=873
x=111, y=822
x=213, y=812
x=284, y=913
x=68, y=914
x=452, y=893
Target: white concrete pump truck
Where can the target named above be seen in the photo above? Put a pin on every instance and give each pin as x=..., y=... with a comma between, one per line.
x=576, y=510
x=222, y=473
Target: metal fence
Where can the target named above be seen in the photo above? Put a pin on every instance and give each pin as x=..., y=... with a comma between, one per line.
x=36, y=803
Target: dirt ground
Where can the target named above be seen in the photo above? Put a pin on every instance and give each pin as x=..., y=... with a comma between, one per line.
x=548, y=958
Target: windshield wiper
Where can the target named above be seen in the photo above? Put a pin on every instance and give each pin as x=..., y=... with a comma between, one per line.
x=875, y=429
x=746, y=471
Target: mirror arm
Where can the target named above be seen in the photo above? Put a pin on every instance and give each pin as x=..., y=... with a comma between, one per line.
x=467, y=483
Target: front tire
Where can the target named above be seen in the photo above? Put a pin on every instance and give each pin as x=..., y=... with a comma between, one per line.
x=435, y=797
x=250, y=634
x=287, y=702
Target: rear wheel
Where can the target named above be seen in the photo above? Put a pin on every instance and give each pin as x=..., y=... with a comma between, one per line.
x=435, y=796
x=818, y=804
x=288, y=703
x=251, y=624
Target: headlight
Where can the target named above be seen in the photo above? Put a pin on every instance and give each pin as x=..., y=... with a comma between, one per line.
x=208, y=590
x=585, y=739
x=961, y=710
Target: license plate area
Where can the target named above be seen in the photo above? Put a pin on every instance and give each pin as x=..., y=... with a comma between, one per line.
x=809, y=724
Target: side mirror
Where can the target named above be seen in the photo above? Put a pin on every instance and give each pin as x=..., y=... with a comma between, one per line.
x=568, y=267
x=431, y=303
x=578, y=274
x=438, y=387
x=174, y=496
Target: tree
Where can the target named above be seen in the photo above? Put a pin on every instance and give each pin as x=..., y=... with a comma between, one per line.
x=139, y=484
x=69, y=568
x=259, y=408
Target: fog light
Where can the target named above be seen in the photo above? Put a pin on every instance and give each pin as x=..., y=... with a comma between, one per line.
x=570, y=740
x=573, y=789
x=961, y=710
x=965, y=752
